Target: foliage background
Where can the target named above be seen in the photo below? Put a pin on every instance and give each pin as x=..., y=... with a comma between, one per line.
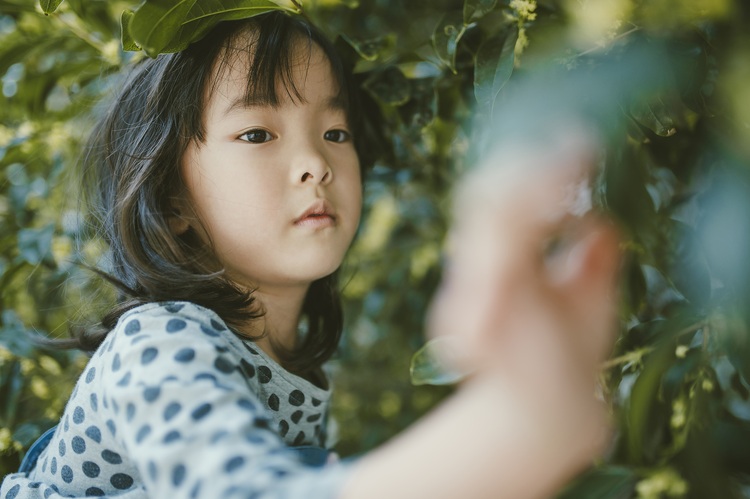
x=678, y=180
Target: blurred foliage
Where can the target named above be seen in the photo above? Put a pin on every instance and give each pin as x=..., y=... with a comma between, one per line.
x=679, y=181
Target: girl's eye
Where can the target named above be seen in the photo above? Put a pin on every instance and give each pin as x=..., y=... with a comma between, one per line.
x=337, y=135
x=256, y=136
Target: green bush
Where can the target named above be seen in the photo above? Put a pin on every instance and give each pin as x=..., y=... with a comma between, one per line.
x=677, y=177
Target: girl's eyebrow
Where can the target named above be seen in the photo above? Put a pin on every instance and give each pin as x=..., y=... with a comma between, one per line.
x=336, y=102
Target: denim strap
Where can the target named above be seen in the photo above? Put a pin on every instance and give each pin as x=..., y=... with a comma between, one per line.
x=32, y=456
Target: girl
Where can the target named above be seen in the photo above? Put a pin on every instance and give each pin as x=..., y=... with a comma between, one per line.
x=226, y=179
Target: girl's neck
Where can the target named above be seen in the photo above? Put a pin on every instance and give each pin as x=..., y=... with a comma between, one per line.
x=279, y=324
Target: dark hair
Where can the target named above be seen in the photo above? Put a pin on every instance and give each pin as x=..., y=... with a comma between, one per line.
x=132, y=175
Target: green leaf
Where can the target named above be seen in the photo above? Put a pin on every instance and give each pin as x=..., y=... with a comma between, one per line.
x=206, y=14
x=428, y=365
x=35, y=245
x=156, y=22
x=49, y=6
x=445, y=38
x=494, y=65
x=371, y=49
x=476, y=9
x=655, y=116
x=612, y=482
x=127, y=40
x=163, y=26
x=389, y=87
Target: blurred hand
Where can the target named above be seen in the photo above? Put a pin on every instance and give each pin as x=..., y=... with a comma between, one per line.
x=529, y=291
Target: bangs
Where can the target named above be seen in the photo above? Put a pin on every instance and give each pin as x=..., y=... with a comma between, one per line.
x=272, y=51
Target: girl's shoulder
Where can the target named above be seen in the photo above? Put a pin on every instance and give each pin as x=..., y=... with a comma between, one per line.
x=176, y=313
x=174, y=322
x=173, y=339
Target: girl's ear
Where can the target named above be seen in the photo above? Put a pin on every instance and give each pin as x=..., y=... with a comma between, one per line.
x=179, y=218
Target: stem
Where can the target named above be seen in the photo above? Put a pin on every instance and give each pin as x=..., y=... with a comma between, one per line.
x=634, y=356
x=80, y=33
x=621, y=35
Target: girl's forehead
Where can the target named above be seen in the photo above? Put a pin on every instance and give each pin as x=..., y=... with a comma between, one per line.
x=238, y=72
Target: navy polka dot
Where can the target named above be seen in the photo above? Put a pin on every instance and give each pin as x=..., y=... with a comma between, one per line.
x=174, y=307
x=151, y=393
x=90, y=469
x=221, y=348
x=178, y=475
x=130, y=411
x=78, y=445
x=247, y=404
x=217, y=325
x=219, y=435
x=94, y=492
x=94, y=402
x=78, y=415
x=13, y=492
x=139, y=339
x=273, y=402
x=143, y=432
x=208, y=331
x=175, y=325
x=223, y=365
x=53, y=466
x=185, y=355
x=61, y=448
x=125, y=380
x=316, y=402
x=153, y=471
x=283, y=428
x=250, y=349
x=234, y=463
x=35, y=485
x=264, y=374
x=171, y=410
x=90, y=375
x=205, y=376
x=300, y=438
x=196, y=490
x=172, y=436
x=132, y=327
x=66, y=473
x=297, y=416
x=115, y=406
x=66, y=424
x=111, y=457
x=116, y=363
x=48, y=492
x=44, y=465
x=247, y=368
x=94, y=434
x=121, y=481
x=200, y=412
x=313, y=418
x=296, y=398
x=255, y=439
x=148, y=355
x=111, y=426
x=104, y=403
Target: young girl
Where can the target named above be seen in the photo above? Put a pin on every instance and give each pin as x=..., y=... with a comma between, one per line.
x=227, y=181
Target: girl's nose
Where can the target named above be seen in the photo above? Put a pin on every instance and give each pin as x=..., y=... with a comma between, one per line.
x=312, y=167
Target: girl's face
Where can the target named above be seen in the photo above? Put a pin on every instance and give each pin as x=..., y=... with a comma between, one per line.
x=275, y=190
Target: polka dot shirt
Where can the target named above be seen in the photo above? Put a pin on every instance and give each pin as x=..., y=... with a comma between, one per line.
x=174, y=405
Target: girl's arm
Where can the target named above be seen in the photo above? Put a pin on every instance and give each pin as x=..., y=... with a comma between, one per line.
x=530, y=299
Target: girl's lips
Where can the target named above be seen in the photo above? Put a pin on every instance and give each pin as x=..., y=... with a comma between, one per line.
x=316, y=221
x=317, y=215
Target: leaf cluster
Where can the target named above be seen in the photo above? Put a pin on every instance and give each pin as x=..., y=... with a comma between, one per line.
x=438, y=74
